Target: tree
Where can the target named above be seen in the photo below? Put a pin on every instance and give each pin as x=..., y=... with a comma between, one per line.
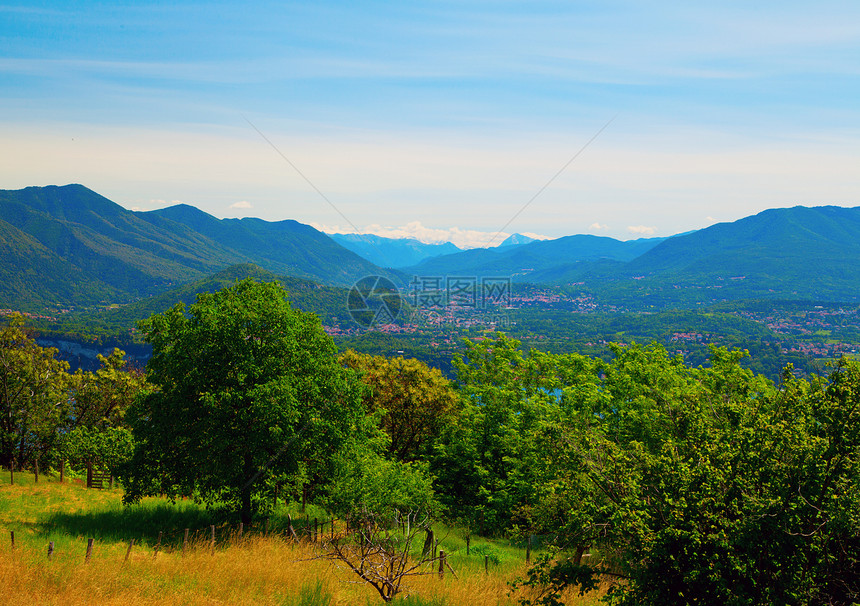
x=414, y=400
x=34, y=398
x=381, y=554
x=247, y=393
x=96, y=431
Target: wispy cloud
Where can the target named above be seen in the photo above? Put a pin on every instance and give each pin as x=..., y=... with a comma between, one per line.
x=241, y=204
x=642, y=230
x=598, y=226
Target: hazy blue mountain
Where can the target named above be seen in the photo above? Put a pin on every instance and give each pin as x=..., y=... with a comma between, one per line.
x=71, y=246
x=515, y=240
x=545, y=259
x=392, y=252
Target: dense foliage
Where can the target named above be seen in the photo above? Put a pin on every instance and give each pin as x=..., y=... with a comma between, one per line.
x=690, y=485
x=50, y=416
x=34, y=396
x=249, y=394
x=415, y=402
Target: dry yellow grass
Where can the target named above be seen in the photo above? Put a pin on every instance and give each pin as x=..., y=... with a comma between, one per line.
x=264, y=571
x=258, y=570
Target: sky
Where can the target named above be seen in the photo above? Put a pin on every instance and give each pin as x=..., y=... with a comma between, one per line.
x=464, y=121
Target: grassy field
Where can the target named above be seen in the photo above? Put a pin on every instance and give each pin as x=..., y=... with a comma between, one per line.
x=254, y=570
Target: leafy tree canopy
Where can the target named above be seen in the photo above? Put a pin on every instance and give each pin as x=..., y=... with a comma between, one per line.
x=247, y=393
x=414, y=401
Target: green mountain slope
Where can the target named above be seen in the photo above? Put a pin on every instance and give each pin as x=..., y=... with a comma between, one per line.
x=795, y=252
x=69, y=246
x=329, y=302
x=33, y=277
x=285, y=247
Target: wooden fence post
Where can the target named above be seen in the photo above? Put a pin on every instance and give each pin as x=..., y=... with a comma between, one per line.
x=62, y=470
x=292, y=530
x=267, y=527
x=185, y=542
x=332, y=528
x=36, y=472
x=50, y=549
x=212, y=537
x=529, y=549
x=441, y=563
x=128, y=552
x=241, y=530
x=468, y=539
x=428, y=544
x=487, y=564
x=316, y=530
x=12, y=532
x=158, y=544
x=12, y=473
x=89, y=550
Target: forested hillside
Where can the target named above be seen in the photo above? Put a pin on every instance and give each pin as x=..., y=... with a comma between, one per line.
x=70, y=247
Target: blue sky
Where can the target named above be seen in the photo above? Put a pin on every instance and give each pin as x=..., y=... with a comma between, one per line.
x=438, y=119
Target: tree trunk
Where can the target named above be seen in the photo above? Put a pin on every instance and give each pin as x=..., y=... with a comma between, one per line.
x=245, y=514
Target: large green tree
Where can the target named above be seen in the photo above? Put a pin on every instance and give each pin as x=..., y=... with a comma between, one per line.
x=248, y=393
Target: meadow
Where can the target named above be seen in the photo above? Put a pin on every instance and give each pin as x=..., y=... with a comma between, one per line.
x=252, y=569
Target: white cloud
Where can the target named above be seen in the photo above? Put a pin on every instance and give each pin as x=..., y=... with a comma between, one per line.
x=642, y=230
x=464, y=238
x=598, y=226
x=710, y=219
x=241, y=204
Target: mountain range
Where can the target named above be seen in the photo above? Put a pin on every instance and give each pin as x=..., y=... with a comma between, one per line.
x=69, y=246
x=536, y=260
